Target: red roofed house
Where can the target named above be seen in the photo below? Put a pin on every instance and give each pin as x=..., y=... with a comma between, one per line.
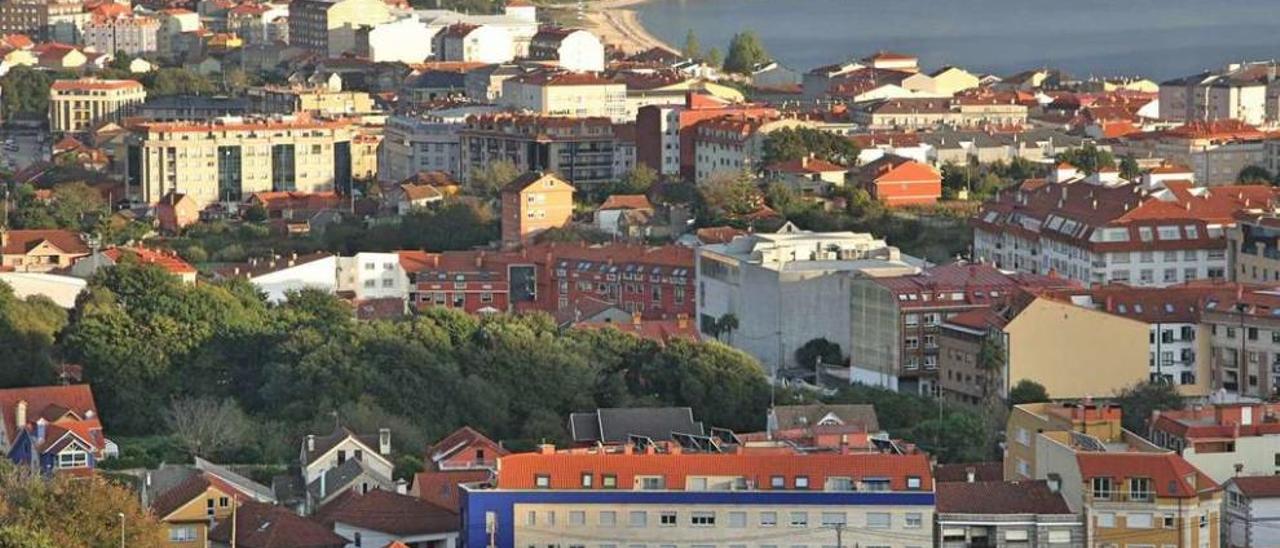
x=190, y=501
x=665, y=133
x=1250, y=511
x=39, y=250
x=260, y=525
x=176, y=211
x=167, y=260
x=53, y=429
x=1156, y=499
x=624, y=215
x=1222, y=440
x=679, y=492
x=898, y=181
x=1100, y=228
x=465, y=456
x=533, y=203
x=379, y=518
x=809, y=175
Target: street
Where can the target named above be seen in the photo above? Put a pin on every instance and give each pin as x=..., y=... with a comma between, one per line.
x=28, y=146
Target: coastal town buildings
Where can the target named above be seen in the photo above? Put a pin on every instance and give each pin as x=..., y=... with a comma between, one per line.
x=425, y=142
x=533, y=203
x=556, y=93
x=329, y=27
x=583, y=149
x=76, y=105
x=665, y=133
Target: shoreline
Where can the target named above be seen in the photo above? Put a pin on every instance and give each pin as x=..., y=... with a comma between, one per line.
x=618, y=25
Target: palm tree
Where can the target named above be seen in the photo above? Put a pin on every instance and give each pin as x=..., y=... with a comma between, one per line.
x=727, y=324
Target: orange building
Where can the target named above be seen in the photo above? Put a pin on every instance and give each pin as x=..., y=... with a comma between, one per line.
x=898, y=181
x=532, y=203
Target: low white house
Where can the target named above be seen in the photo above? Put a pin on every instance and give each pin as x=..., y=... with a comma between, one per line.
x=372, y=276
x=406, y=40
x=62, y=290
x=475, y=44
x=572, y=49
x=1252, y=511
x=279, y=277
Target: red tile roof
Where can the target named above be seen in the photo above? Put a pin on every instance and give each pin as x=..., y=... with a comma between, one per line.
x=441, y=487
x=259, y=525
x=49, y=403
x=718, y=234
x=167, y=260
x=314, y=201
x=999, y=497
x=1256, y=487
x=626, y=201
x=1171, y=475
x=519, y=471
x=94, y=84
x=19, y=242
x=387, y=512
x=461, y=438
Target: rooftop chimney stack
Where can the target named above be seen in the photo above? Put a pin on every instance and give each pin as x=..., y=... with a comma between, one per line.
x=20, y=414
x=384, y=441
x=311, y=442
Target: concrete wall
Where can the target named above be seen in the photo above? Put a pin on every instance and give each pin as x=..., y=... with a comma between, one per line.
x=1074, y=351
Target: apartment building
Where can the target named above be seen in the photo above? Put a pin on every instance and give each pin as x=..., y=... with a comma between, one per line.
x=1253, y=245
x=41, y=19
x=227, y=159
x=533, y=203
x=912, y=113
x=1243, y=333
x=897, y=320
x=427, y=141
x=556, y=93
x=1239, y=91
x=1222, y=440
x=665, y=133
x=128, y=33
x=1216, y=151
x=1177, y=346
x=1027, y=421
x=313, y=100
x=793, y=286
x=734, y=143
x=328, y=26
x=997, y=513
x=1252, y=508
x=1151, y=499
x=77, y=105
x=474, y=43
x=574, y=50
x=583, y=150
x=1100, y=228
x=673, y=495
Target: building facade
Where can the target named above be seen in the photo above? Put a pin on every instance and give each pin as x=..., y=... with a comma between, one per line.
x=567, y=94
x=532, y=204
x=582, y=150
x=76, y=105
x=328, y=26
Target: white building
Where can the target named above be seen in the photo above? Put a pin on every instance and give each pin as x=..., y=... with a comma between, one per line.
x=734, y=143
x=278, y=277
x=1100, y=228
x=474, y=44
x=1252, y=511
x=372, y=276
x=789, y=287
x=520, y=21
x=1241, y=91
x=62, y=290
x=414, y=143
x=557, y=93
x=406, y=40
x=572, y=49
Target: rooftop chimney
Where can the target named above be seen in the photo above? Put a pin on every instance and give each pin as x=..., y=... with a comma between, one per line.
x=970, y=474
x=311, y=442
x=384, y=441
x=546, y=449
x=20, y=414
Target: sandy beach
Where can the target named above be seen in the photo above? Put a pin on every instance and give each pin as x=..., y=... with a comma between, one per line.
x=618, y=25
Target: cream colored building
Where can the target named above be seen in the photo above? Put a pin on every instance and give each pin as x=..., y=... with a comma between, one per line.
x=329, y=26
x=944, y=82
x=230, y=158
x=76, y=105
x=313, y=100
x=1074, y=351
x=567, y=94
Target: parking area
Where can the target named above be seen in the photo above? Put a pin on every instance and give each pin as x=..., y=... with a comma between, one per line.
x=20, y=148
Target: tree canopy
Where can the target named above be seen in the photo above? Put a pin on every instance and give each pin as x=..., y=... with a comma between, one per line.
x=789, y=144
x=40, y=512
x=746, y=52
x=1140, y=400
x=26, y=91
x=1027, y=391
x=1088, y=158
x=1253, y=175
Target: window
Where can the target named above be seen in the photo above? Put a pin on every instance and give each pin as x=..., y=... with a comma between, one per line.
x=73, y=459
x=737, y=520
x=609, y=481
x=915, y=520
x=587, y=480
x=577, y=517
x=802, y=482
x=224, y=502
x=913, y=482
x=843, y=484
x=879, y=520
x=777, y=482
x=531, y=518
x=1138, y=521
x=608, y=518
x=185, y=533
x=833, y=519
x=768, y=519
x=875, y=484
x=702, y=519
x=1168, y=521
x=652, y=483
x=696, y=484
x=1102, y=488
x=209, y=506
x=357, y=540
x=667, y=519
x=911, y=320
x=1140, y=489
x=638, y=519
x=799, y=519
x=1106, y=519
x=1059, y=537
x=542, y=481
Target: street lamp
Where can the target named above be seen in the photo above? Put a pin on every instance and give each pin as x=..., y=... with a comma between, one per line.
x=121, y=514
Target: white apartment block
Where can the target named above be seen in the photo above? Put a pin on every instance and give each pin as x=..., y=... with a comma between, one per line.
x=1100, y=228
x=370, y=275
x=1239, y=92
x=567, y=94
x=406, y=40
x=789, y=287
x=412, y=144
x=733, y=143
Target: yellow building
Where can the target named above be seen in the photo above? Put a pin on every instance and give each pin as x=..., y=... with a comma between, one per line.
x=188, y=509
x=315, y=100
x=1028, y=420
x=532, y=203
x=1148, y=499
x=1074, y=351
x=328, y=26
x=230, y=158
x=76, y=105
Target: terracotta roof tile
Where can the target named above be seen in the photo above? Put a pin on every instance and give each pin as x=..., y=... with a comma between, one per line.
x=999, y=497
x=1256, y=487
x=387, y=512
x=626, y=201
x=1171, y=475
x=259, y=525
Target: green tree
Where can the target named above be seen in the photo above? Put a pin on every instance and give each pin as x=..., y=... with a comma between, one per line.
x=488, y=181
x=1129, y=168
x=637, y=180
x=1254, y=175
x=715, y=58
x=746, y=52
x=1142, y=399
x=1027, y=391
x=177, y=81
x=692, y=48
x=789, y=144
x=121, y=61
x=28, y=330
x=1088, y=158
x=26, y=91
x=729, y=193
x=818, y=349
x=64, y=511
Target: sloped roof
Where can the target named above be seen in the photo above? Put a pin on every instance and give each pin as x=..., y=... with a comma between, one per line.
x=324, y=443
x=529, y=178
x=19, y=242
x=167, y=260
x=999, y=498
x=387, y=512
x=626, y=201
x=76, y=398
x=1171, y=475
x=462, y=437
x=259, y=525
x=803, y=416
x=1257, y=487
